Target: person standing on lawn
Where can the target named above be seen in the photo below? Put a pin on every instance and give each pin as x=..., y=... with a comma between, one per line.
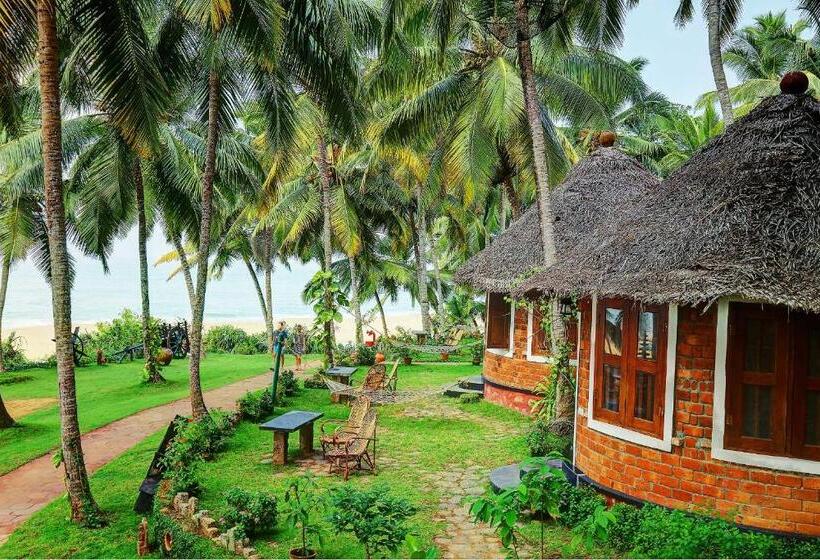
x=280, y=338
x=298, y=345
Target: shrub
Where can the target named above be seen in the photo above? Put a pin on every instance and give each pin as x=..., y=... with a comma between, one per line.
x=366, y=354
x=255, y=405
x=374, y=516
x=253, y=512
x=13, y=356
x=355, y=355
x=578, y=503
x=624, y=530
x=314, y=382
x=185, y=545
x=287, y=380
x=223, y=339
x=120, y=333
x=542, y=442
x=469, y=398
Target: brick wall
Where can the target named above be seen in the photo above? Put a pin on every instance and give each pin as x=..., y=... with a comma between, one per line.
x=512, y=379
x=688, y=477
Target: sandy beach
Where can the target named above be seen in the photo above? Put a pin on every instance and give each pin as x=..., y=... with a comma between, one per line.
x=38, y=344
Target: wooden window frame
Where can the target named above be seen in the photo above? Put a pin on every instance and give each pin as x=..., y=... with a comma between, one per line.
x=629, y=365
x=537, y=336
x=493, y=322
x=790, y=382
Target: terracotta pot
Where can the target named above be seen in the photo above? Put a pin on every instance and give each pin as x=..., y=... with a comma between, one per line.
x=445, y=356
x=407, y=360
x=164, y=356
x=379, y=357
x=297, y=553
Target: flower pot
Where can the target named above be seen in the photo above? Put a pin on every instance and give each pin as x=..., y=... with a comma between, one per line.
x=379, y=357
x=445, y=356
x=407, y=360
x=164, y=356
x=296, y=553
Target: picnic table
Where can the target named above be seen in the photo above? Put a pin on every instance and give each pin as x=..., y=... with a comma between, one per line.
x=340, y=374
x=289, y=422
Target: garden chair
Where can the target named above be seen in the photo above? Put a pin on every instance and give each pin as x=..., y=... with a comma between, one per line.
x=393, y=378
x=375, y=378
x=358, y=452
x=349, y=429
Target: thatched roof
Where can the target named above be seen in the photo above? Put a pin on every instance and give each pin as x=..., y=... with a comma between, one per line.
x=585, y=198
x=741, y=218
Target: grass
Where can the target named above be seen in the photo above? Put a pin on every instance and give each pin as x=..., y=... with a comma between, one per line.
x=105, y=394
x=419, y=443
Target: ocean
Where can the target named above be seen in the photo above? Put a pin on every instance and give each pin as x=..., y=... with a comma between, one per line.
x=98, y=296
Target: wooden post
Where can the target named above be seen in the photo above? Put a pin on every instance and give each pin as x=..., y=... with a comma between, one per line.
x=306, y=440
x=280, y=448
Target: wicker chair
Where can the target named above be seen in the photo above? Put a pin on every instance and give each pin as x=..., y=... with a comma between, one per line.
x=375, y=378
x=393, y=378
x=349, y=429
x=355, y=453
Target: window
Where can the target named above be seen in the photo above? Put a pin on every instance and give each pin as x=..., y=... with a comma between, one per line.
x=773, y=381
x=539, y=344
x=630, y=376
x=499, y=315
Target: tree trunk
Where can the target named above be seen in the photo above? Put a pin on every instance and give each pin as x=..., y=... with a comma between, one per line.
x=381, y=313
x=6, y=421
x=438, y=284
x=503, y=211
x=327, y=246
x=198, y=408
x=186, y=270
x=265, y=311
x=4, y=284
x=152, y=370
x=420, y=248
x=512, y=198
x=269, y=303
x=354, y=299
x=713, y=17
x=531, y=105
x=76, y=478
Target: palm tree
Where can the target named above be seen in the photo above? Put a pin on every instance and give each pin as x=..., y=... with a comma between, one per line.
x=721, y=18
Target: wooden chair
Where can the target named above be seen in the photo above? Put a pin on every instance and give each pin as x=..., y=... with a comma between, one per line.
x=349, y=429
x=355, y=453
x=393, y=378
x=375, y=378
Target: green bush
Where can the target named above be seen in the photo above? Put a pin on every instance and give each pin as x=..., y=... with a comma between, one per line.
x=120, y=333
x=578, y=503
x=374, y=516
x=253, y=512
x=355, y=355
x=185, y=545
x=13, y=357
x=625, y=529
x=470, y=398
x=541, y=442
x=223, y=339
x=255, y=405
x=287, y=379
x=315, y=381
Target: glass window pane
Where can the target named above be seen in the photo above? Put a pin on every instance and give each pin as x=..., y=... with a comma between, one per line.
x=612, y=387
x=757, y=411
x=613, y=331
x=813, y=418
x=759, y=352
x=648, y=336
x=814, y=353
x=644, y=396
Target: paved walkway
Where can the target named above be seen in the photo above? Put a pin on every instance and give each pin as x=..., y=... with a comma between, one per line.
x=32, y=486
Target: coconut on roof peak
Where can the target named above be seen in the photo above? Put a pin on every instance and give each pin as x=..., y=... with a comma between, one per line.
x=740, y=219
x=585, y=197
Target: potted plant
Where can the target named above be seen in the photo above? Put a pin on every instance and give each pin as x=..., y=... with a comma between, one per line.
x=405, y=354
x=303, y=504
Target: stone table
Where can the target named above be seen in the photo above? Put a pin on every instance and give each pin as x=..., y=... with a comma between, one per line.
x=289, y=422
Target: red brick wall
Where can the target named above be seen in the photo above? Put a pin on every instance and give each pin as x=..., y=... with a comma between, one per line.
x=512, y=379
x=688, y=477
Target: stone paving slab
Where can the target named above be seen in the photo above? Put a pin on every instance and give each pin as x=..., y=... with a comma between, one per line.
x=32, y=486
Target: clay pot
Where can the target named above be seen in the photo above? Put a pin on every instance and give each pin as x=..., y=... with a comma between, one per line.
x=445, y=356
x=298, y=553
x=407, y=360
x=379, y=357
x=164, y=356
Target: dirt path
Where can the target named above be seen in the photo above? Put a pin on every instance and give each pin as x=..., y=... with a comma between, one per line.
x=32, y=486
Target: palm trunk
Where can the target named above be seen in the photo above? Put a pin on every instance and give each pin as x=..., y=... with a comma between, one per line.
x=198, y=408
x=438, y=284
x=327, y=247
x=713, y=16
x=152, y=372
x=531, y=105
x=186, y=270
x=266, y=314
x=6, y=421
x=512, y=198
x=269, y=308
x=420, y=248
x=381, y=313
x=4, y=284
x=354, y=299
x=503, y=211
x=76, y=478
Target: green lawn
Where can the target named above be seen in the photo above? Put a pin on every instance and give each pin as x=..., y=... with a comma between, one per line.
x=418, y=442
x=104, y=394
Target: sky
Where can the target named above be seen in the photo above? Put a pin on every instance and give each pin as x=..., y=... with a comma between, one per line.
x=679, y=58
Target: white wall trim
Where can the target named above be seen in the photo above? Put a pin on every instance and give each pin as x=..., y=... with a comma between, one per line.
x=665, y=443
x=719, y=412
x=530, y=337
x=504, y=352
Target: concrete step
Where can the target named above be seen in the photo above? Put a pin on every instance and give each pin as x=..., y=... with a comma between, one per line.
x=474, y=382
x=455, y=392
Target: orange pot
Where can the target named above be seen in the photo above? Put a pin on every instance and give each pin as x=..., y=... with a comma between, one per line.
x=379, y=357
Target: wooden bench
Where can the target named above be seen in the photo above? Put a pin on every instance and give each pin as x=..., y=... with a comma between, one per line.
x=289, y=422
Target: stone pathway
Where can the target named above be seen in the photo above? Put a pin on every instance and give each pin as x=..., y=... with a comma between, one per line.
x=463, y=538
x=32, y=486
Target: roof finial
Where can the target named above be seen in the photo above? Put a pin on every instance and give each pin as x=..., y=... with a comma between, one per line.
x=606, y=139
x=794, y=83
